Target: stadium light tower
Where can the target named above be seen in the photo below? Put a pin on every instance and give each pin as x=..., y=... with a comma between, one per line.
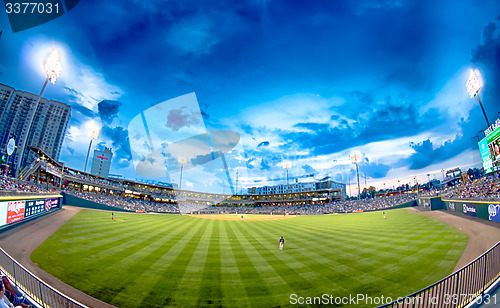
x=287, y=165
x=399, y=188
x=356, y=157
x=182, y=161
x=473, y=86
x=53, y=68
x=93, y=133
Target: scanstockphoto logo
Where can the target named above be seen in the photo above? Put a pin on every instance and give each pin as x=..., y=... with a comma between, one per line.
x=170, y=141
x=470, y=210
x=24, y=15
x=494, y=212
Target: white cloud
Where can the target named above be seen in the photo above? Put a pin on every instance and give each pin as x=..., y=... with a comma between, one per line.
x=453, y=100
x=90, y=87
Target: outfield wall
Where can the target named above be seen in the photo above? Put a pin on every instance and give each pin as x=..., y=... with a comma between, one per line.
x=80, y=202
x=15, y=210
x=481, y=209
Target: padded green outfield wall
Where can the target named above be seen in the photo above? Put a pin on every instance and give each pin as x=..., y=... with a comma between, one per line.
x=481, y=209
x=75, y=201
x=431, y=203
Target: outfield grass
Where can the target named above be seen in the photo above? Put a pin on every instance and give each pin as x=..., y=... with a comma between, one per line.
x=141, y=260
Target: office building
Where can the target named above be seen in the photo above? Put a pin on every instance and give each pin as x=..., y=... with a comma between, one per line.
x=101, y=162
x=41, y=125
x=297, y=188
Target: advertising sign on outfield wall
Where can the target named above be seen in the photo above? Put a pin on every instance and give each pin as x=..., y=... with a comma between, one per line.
x=51, y=204
x=15, y=211
x=494, y=212
x=477, y=209
x=470, y=209
x=34, y=207
x=12, y=211
x=3, y=213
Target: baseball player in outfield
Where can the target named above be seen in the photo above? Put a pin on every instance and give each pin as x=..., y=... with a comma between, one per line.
x=282, y=242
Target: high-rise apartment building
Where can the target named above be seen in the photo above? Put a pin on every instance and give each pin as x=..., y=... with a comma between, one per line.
x=42, y=126
x=101, y=162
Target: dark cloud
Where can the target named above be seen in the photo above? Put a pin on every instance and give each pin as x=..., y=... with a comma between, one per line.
x=264, y=165
x=428, y=153
x=391, y=120
x=108, y=110
x=263, y=144
x=373, y=170
x=249, y=162
x=119, y=137
x=309, y=169
x=487, y=57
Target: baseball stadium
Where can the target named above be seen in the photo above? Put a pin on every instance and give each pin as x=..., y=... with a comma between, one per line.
x=88, y=241
x=253, y=153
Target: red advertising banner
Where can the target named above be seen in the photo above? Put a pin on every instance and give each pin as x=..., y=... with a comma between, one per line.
x=51, y=204
x=15, y=211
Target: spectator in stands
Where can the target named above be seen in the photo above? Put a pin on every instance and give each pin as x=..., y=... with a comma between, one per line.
x=11, y=295
x=4, y=301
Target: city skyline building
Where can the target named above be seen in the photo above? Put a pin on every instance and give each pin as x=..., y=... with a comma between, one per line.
x=101, y=162
x=42, y=126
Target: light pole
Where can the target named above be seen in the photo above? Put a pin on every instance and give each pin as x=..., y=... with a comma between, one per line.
x=182, y=161
x=399, y=188
x=356, y=157
x=237, y=177
x=287, y=165
x=93, y=133
x=53, y=68
x=429, y=181
x=473, y=86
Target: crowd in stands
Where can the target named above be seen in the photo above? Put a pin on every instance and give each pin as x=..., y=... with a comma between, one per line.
x=127, y=203
x=485, y=188
x=10, y=185
x=307, y=207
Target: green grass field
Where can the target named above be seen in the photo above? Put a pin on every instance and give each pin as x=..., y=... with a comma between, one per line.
x=142, y=260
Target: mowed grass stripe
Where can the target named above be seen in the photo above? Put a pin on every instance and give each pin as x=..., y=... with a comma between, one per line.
x=113, y=237
x=262, y=284
x=233, y=288
x=322, y=275
x=313, y=246
x=322, y=268
x=287, y=274
x=160, y=280
x=125, y=244
x=137, y=258
x=188, y=289
x=210, y=284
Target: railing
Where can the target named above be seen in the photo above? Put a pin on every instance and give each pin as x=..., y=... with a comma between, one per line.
x=15, y=193
x=460, y=288
x=34, y=287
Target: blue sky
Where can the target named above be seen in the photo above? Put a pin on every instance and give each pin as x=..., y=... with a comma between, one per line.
x=301, y=82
